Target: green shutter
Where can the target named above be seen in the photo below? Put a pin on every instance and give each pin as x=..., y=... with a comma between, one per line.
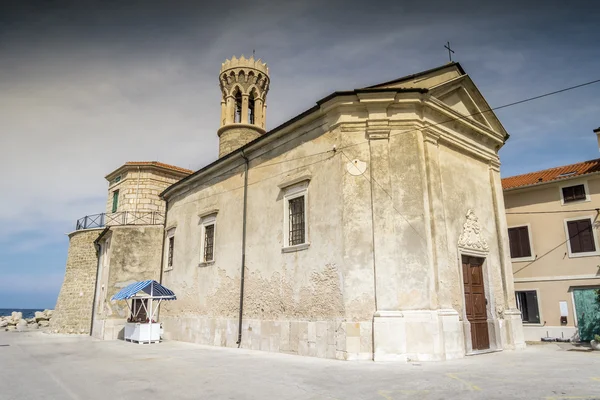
x=115, y=201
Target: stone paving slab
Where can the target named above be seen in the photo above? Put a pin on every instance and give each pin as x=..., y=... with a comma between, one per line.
x=34, y=365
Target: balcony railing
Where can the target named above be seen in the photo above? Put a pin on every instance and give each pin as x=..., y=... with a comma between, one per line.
x=120, y=218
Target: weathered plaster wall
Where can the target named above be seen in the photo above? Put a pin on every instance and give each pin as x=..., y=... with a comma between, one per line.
x=73, y=313
x=469, y=183
x=133, y=254
x=466, y=186
x=295, y=296
x=385, y=213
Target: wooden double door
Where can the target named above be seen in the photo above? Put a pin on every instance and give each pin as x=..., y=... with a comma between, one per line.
x=475, y=301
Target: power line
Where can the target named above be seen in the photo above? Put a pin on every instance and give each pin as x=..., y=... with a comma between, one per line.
x=548, y=94
x=413, y=130
x=554, y=248
x=366, y=141
x=488, y=110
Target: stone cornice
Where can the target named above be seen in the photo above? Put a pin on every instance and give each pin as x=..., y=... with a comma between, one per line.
x=455, y=116
x=494, y=165
x=367, y=105
x=430, y=136
x=224, y=128
x=253, y=150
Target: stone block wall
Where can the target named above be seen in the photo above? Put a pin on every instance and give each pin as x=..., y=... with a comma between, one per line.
x=73, y=312
x=139, y=190
x=235, y=137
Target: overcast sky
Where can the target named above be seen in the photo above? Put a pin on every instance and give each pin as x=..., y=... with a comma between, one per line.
x=88, y=85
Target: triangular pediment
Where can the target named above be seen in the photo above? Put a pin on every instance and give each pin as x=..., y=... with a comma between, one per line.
x=454, y=88
x=462, y=96
x=460, y=101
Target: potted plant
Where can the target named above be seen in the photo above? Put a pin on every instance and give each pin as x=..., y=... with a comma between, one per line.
x=596, y=342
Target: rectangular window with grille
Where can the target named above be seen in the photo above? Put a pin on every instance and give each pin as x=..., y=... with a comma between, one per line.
x=581, y=236
x=296, y=221
x=518, y=238
x=209, y=240
x=573, y=193
x=527, y=303
x=170, y=254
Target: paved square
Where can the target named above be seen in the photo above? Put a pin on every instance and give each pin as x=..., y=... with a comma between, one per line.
x=35, y=365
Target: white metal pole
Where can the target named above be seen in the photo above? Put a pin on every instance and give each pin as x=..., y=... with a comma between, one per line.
x=151, y=301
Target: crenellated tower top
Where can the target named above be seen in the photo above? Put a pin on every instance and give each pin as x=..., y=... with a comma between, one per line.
x=244, y=84
x=244, y=62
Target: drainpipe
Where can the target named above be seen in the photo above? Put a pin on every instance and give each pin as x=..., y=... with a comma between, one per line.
x=239, y=341
x=98, y=254
x=162, y=252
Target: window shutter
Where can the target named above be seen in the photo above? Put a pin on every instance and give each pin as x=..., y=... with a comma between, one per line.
x=115, y=202
x=519, y=242
x=586, y=236
x=574, y=237
x=524, y=241
x=513, y=239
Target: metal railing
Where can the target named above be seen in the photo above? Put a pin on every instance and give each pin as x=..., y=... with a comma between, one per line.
x=120, y=218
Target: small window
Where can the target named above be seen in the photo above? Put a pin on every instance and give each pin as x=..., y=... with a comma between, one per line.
x=573, y=193
x=209, y=239
x=581, y=236
x=118, y=179
x=208, y=224
x=115, y=201
x=527, y=303
x=519, y=242
x=295, y=217
x=170, y=253
x=296, y=221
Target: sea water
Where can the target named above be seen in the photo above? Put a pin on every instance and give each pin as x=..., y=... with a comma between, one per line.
x=27, y=312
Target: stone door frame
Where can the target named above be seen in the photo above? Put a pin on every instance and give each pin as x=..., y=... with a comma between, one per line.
x=492, y=320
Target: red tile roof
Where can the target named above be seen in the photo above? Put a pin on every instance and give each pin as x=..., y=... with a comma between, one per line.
x=158, y=164
x=552, y=174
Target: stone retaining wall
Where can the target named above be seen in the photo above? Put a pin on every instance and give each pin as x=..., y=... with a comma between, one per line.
x=73, y=313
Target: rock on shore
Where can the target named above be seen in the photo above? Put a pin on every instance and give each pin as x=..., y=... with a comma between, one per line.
x=15, y=321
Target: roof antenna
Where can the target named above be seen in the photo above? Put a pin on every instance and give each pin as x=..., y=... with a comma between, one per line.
x=450, y=51
x=253, y=52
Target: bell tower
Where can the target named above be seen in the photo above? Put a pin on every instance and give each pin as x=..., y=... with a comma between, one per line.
x=244, y=85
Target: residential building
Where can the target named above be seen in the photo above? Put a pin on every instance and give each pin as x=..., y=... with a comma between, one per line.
x=553, y=219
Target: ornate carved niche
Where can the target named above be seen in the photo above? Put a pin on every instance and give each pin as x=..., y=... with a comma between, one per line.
x=471, y=238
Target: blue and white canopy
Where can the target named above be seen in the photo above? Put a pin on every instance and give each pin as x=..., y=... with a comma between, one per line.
x=153, y=288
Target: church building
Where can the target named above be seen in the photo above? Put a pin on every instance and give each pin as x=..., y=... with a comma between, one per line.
x=371, y=226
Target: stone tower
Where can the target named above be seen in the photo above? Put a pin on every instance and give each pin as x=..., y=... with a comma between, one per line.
x=244, y=85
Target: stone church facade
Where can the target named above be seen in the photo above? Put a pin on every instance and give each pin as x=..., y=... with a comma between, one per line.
x=371, y=226
x=368, y=227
